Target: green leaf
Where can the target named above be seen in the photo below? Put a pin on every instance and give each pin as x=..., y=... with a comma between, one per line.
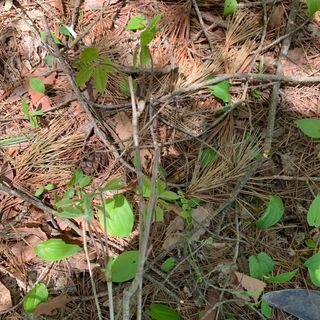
x=33, y=121
x=64, y=30
x=230, y=7
x=168, y=264
x=37, y=113
x=84, y=75
x=39, y=192
x=159, y=311
x=100, y=78
x=50, y=186
x=24, y=106
x=153, y=23
x=89, y=55
x=273, y=213
x=266, y=310
x=49, y=59
x=313, y=6
x=221, y=90
x=207, y=157
x=260, y=265
x=315, y=276
x=137, y=22
x=169, y=195
x=43, y=36
x=159, y=214
x=282, y=277
x=146, y=37
x=70, y=212
x=125, y=266
x=119, y=218
x=124, y=86
x=76, y=177
x=108, y=65
x=37, y=85
x=135, y=57
x=84, y=181
x=310, y=127
x=38, y=294
x=256, y=93
x=313, y=215
x=313, y=262
x=145, y=55
x=113, y=184
x=55, y=249
x=310, y=243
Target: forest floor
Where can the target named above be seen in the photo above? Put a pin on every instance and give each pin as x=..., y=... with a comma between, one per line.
x=232, y=153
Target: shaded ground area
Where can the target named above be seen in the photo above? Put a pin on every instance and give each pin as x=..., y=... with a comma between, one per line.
x=185, y=119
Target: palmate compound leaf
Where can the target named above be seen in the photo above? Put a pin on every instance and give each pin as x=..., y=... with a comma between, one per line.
x=55, y=249
x=119, y=216
x=260, y=265
x=124, y=267
x=273, y=213
x=89, y=55
x=313, y=6
x=159, y=311
x=39, y=293
x=84, y=74
x=310, y=127
x=313, y=215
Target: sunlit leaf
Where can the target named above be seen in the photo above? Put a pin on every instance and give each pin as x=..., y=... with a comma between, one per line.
x=221, y=90
x=37, y=85
x=100, y=78
x=119, y=218
x=273, y=213
x=55, y=249
x=84, y=75
x=230, y=7
x=64, y=30
x=315, y=276
x=310, y=127
x=113, y=184
x=145, y=55
x=313, y=262
x=313, y=215
x=39, y=192
x=137, y=22
x=159, y=311
x=124, y=267
x=168, y=264
x=266, y=310
x=169, y=195
x=38, y=294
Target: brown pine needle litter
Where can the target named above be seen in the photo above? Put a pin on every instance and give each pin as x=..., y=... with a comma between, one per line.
x=182, y=125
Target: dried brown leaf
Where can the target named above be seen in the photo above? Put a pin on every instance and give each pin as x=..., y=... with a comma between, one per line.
x=49, y=308
x=174, y=232
x=5, y=298
x=212, y=298
x=123, y=126
x=199, y=214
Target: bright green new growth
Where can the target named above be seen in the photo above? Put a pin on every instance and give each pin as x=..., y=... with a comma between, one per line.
x=207, y=157
x=168, y=264
x=266, y=310
x=230, y=7
x=273, y=213
x=38, y=294
x=260, y=265
x=48, y=187
x=221, y=90
x=32, y=116
x=91, y=66
x=55, y=250
x=37, y=85
x=125, y=266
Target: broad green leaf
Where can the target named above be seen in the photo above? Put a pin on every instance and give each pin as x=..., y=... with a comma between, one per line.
x=70, y=212
x=55, y=249
x=153, y=23
x=125, y=266
x=207, y=157
x=168, y=264
x=119, y=218
x=310, y=243
x=37, y=85
x=124, y=86
x=313, y=6
x=113, y=184
x=315, y=276
x=89, y=55
x=145, y=55
x=146, y=37
x=230, y=7
x=260, y=265
x=313, y=215
x=39, y=192
x=24, y=106
x=310, y=127
x=84, y=75
x=169, y=195
x=100, y=78
x=159, y=311
x=76, y=177
x=256, y=93
x=50, y=186
x=221, y=90
x=313, y=262
x=137, y=22
x=64, y=30
x=84, y=181
x=108, y=65
x=282, y=277
x=159, y=214
x=273, y=213
x=266, y=310
x=38, y=294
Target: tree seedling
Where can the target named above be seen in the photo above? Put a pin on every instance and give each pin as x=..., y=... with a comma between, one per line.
x=32, y=115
